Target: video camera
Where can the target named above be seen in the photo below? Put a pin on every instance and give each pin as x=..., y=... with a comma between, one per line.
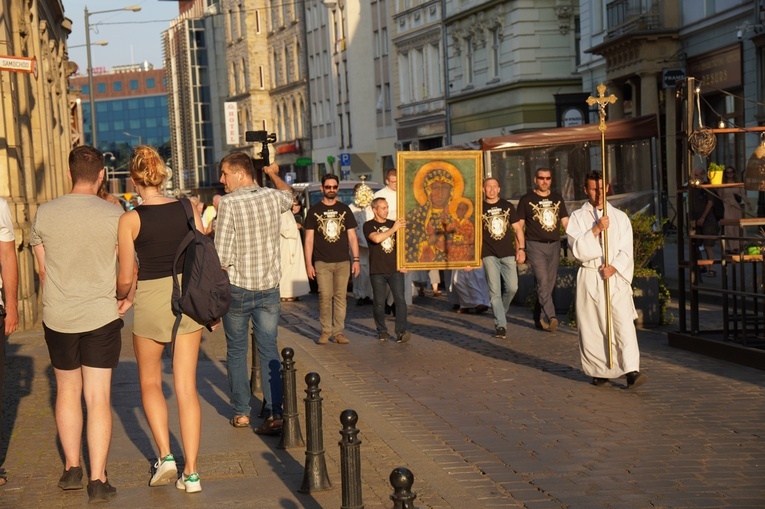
x=263, y=137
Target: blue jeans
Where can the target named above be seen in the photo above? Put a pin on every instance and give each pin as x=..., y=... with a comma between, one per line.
x=263, y=308
x=499, y=271
x=395, y=281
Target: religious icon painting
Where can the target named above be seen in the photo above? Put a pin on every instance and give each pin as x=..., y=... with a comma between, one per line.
x=439, y=195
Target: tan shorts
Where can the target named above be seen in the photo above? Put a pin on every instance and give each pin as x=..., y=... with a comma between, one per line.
x=153, y=316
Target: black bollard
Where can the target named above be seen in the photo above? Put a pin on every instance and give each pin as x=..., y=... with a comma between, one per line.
x=291, y=434
x=402, y=480
x=350, y=461
x=315, y=477
x=256, y=385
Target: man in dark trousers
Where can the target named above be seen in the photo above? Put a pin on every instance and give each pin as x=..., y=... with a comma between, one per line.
x=380, y=233
x=330, y=231
x=542, y=212
x=500, y=252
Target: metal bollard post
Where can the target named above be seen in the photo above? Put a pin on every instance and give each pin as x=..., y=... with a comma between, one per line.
x=256, y=386
x=315, y=477
x=291, y=434
x=402, y=480
x=350, y=461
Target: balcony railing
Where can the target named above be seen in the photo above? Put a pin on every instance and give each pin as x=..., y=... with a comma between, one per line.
x=626, y=16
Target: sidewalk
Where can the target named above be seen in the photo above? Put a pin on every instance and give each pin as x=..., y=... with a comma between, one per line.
x=481, y=422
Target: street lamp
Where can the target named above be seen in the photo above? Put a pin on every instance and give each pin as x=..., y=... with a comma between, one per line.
x=132, y=8
x=130, y=135
x=97, y=43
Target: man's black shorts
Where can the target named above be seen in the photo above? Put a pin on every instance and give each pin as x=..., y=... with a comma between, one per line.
x=99, y=348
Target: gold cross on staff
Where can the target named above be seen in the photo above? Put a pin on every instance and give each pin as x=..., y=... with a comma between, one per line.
x=602, y=100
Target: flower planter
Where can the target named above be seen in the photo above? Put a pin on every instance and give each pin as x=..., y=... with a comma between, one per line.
x=645, y=293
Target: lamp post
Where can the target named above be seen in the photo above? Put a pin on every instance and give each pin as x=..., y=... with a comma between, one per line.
x=97, y=43
x=93, y=136
x=130, y=135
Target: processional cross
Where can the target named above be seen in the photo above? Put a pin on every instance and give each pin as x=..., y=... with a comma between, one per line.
x=602, y=101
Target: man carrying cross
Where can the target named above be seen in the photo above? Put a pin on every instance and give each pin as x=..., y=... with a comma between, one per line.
x=587, y=228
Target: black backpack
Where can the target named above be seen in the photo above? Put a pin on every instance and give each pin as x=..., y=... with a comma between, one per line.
x=205, y=293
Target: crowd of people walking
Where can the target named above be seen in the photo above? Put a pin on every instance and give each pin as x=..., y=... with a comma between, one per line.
x=270, y=250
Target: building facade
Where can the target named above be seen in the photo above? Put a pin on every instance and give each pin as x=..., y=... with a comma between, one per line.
x=419, y=75
x=197, y=85
x=349, y=79
x=289, y=90
x=131, y=109
x=35, y=125
x=505, y=62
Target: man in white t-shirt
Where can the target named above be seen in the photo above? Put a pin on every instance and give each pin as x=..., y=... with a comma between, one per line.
x=9, y=279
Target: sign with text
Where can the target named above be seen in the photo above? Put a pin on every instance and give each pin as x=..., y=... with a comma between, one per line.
x=670, y=77
x=232, y=123
x=19, y=64
x=719, y=69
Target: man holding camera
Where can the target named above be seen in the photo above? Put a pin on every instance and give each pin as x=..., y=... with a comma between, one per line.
x=247, y=240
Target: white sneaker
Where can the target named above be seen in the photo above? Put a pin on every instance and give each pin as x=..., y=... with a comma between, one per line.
x=191, y=483
x=165, y=471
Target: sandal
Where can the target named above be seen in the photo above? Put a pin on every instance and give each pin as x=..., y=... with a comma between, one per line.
x=270, y=427
x=240, y=421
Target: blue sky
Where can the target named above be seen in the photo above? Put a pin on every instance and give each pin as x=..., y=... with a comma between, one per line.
x=133, y=36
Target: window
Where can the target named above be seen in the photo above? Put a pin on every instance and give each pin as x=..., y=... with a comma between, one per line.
x=150, y=83
x=117, y=86
x=435, y=77
x=384, y=40
x=261, y=77
x=494, y=54
x=101, y=88
x=468, y=63
x=133, y=84
x=85, y=89
x=257, y=22
x=376, y=36
x=242, y=21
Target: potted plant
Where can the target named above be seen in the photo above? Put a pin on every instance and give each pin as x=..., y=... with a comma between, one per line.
x=650, y=294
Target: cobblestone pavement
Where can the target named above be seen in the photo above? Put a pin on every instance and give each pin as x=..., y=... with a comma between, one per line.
x=481, y=422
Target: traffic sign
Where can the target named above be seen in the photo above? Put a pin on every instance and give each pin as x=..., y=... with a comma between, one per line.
x=345, y=159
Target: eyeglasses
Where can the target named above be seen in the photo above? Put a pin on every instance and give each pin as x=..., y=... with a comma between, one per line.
x=330, y=187
x=544, y=178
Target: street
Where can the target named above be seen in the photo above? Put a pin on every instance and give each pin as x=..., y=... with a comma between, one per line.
x=481, y=422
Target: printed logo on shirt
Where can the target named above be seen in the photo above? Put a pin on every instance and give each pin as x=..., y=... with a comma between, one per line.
x=331, y=225
x=389, y=244
x=496, y=220
x=546, y=214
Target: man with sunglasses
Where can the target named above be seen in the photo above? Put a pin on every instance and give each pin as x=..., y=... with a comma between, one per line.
x=330, y=232
x=542, y=211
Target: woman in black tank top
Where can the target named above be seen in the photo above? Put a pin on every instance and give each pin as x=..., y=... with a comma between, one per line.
x=152, y=232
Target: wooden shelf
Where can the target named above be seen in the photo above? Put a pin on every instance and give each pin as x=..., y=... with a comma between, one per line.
x=743, y=258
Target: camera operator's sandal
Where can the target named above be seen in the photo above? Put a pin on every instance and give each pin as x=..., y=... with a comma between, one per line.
x=240, y=421
x=270, y=426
